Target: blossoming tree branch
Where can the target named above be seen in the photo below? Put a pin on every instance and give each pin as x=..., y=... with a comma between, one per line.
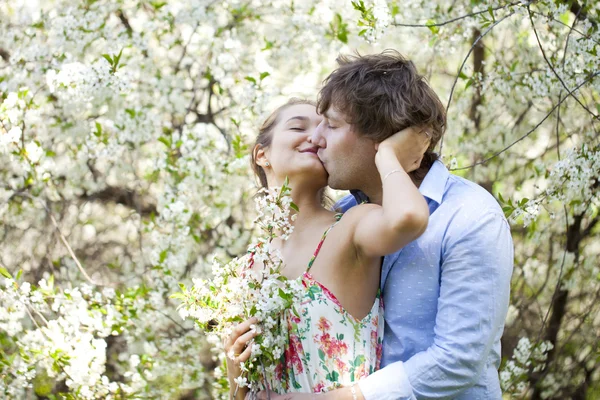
x=124, y=142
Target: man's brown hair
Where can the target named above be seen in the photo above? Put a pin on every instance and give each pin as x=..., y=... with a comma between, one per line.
x=381, y=94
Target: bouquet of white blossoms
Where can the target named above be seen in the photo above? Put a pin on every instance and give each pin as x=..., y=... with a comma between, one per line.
x=239, y=290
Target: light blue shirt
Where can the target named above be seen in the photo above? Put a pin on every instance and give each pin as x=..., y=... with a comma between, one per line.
x=446, y=297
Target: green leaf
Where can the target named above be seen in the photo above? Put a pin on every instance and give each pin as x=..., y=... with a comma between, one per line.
x=268, y=45
x=359, y=6
x=469, y=83
x=5, y=273
x=321, y=355
x=163, y=256
x=165, y=141
x=158, y=4
x=263, y=75
x=98, y=132
x=491, y=12
x=462, y=75
x=433, y=29
x=108, y=58
x=130, y=112
x=250, y=79
x=293, y=206
x=118, y=57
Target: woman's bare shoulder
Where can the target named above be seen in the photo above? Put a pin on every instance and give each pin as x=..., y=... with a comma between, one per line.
x=354, y=214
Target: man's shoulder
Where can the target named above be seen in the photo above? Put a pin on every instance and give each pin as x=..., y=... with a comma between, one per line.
x=344, y=204
x=464, y=195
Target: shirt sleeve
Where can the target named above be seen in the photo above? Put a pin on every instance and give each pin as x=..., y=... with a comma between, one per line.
x=389, y=383
x=477, y=263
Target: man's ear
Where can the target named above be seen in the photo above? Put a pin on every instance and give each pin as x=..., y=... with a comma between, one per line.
x=259, y=155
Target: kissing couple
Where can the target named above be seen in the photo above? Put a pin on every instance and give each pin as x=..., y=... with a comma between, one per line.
x=433, y=247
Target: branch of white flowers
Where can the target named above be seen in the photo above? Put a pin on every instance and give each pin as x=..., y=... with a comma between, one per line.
x=457, y=18
x=172, y=320
x=579, y=11
x=125, y=21
x=590, y=78
x=3, y=126
x=585, y=35
x=185, y=47
x=552, y=67
x=33, y=319
x=558, y=282
x=62, y=237
x=43, y=333
x=463, y=65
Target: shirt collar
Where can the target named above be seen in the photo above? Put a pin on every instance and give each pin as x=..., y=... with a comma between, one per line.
x=359, y=196
x=434, y=184
x=432, y=187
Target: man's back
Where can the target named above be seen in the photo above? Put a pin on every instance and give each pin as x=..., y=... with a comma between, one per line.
x=446, y=294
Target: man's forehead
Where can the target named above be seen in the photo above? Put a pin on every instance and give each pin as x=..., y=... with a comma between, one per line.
x=333, y=113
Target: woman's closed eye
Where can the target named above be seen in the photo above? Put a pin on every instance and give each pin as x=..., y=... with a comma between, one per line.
x=298, y=128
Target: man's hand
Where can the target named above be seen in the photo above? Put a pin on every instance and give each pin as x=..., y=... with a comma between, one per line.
x=338, y=394
x=409, y=145
x=262, y=395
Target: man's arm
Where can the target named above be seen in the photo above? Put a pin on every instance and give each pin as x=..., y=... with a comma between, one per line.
x=474, y=295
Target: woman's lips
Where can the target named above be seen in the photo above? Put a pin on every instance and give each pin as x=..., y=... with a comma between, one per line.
x=311, y=150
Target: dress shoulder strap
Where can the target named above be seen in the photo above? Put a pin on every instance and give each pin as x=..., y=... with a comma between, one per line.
x=338, y=216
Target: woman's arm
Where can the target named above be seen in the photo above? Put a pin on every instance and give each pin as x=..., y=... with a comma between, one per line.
x=403, y=215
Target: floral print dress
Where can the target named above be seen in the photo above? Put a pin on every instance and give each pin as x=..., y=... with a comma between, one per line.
x=327, y=348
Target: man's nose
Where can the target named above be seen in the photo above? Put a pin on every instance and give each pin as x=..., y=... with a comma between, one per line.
x=317, y=136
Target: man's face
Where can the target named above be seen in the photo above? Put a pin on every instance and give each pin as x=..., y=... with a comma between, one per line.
x=348, y=158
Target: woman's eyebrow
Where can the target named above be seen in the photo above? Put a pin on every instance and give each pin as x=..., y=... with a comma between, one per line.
x=299, y=117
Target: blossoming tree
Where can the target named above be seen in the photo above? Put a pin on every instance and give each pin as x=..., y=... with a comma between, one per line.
x=124, y=135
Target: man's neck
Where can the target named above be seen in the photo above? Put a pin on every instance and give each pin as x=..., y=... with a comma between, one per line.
x=375, y=192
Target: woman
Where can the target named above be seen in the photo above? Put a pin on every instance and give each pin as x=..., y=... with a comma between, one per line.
x=335, y=338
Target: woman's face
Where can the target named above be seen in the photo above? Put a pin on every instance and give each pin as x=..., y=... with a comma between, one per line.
x=292, y=153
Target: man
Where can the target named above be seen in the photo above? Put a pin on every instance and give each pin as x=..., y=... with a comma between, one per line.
x=446, y=294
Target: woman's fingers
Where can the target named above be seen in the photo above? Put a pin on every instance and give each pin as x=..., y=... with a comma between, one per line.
x=238, y=331
x=245, y=355
x=242, y=341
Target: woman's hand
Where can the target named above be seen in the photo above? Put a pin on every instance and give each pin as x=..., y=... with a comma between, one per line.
x=238, y=351
x=409, y=145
